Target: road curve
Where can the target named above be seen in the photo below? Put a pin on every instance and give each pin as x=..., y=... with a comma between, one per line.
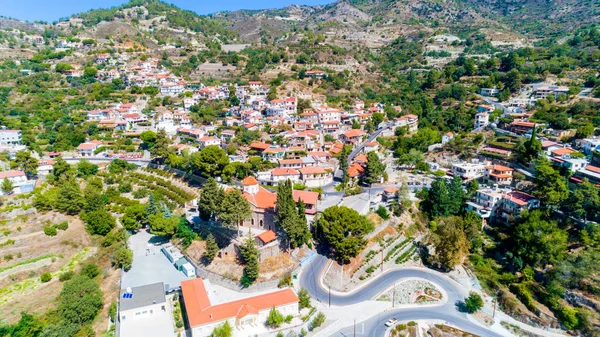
x=374, y=326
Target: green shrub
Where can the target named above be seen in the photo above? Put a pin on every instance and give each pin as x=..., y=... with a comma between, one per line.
x=317, y=321
x=50, y=230
x=46, y=277
x=63, y=226
x=524, y=295
x=383, y=213
x=90, y=270
x=65, y=276
x=474, y=302
x=568, y=317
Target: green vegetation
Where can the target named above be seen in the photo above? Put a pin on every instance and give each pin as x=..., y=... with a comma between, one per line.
x=343, y=229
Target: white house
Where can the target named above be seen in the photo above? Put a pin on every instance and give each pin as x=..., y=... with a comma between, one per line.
x=204, y=317
x=447, y=137
x=206, y=141
x=482, y=119
x=145, y=312
x=468, y=170
x=87, y=149
x=10, y=137
x=44, y=167
x=489, y=91
x=590, y=145
x=315, y=176
x=17, y=178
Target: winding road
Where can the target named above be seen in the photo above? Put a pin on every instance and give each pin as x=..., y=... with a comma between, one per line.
x=374, y=326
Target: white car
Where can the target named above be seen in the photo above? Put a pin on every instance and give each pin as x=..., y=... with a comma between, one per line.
x=391, y=322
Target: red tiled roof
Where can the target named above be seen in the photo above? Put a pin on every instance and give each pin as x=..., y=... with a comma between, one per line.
x=11, y=174
x=354, y=133
x=259, y=145
x=562, y=151
x=308, y=197
x=262, y=199
x=249, y=180
x=200, y=311
x=499, y=168
x=593, y=168
x=267, y=236
x=290, y=161
x=284, y=171
x=312, y=170
x=518, y=197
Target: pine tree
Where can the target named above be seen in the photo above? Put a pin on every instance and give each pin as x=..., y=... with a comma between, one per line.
x=375, y=168
x=210, y=198
x=289, y=217
x=152, y=207
x=211, y=249
x=249, y=256
x=234, y=208
x=70, y=200
x=343, y=161
x=7, y=186
x=438, y=200
x=456, y=195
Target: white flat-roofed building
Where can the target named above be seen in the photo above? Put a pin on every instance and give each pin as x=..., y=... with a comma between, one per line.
x=10, y=137
x=145, y=312
x=468, y=170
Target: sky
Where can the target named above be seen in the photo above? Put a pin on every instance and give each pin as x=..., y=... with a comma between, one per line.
x=52, y=10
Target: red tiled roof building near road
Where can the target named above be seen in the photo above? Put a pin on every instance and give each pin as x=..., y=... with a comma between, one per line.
x=203, y=316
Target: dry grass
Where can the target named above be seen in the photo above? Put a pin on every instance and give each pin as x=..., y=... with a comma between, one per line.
x=20, y=288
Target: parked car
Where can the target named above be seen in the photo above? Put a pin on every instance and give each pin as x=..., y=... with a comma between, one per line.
x=391, y=322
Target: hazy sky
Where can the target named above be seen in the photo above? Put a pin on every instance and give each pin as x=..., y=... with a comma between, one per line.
x=51, y=10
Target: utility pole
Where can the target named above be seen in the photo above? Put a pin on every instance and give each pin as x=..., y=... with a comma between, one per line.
x=382, y=260
x=355, y=328
x=330, y=295
x=495, y=301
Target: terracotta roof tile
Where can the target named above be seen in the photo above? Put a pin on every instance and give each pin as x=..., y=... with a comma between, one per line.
x=249, y=180
x=267, y=236
x=200, y=311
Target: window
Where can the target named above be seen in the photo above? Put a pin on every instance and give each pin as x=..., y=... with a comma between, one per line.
x=123, y=317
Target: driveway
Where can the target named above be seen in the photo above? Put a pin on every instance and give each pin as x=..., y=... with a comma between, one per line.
x=150, y=265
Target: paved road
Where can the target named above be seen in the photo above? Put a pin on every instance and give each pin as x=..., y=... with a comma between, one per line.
x=374, y=326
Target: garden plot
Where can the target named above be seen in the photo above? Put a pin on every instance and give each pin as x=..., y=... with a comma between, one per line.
x=413, y=291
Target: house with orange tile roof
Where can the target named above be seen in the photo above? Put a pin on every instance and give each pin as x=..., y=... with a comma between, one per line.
x=353, y=136
x=283, y=174
x=389, y=194
x=371, y=146
x=259, y=146
x=514, y=203
x=568, y=158
x=204, y=316
x=498, y=174
x=207, y=141
x=314, y=176
x=589, y=172
x=87, y=149
x=410, y=121
x=521, y=127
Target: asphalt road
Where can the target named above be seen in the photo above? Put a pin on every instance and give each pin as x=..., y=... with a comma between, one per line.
x=374, y=326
